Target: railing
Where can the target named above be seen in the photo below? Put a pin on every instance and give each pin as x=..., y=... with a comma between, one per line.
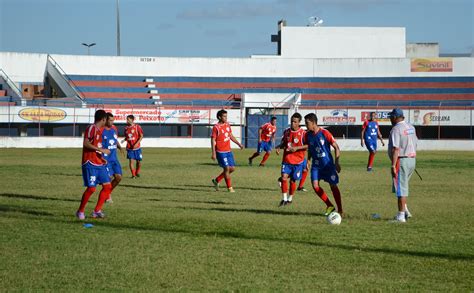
x=66, y=78
x=11, y=84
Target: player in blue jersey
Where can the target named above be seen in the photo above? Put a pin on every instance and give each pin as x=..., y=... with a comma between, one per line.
x=318, y=141
x=110, y=142
x=369, y=135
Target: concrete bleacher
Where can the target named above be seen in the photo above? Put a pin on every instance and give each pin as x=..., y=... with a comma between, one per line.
x=227, y=91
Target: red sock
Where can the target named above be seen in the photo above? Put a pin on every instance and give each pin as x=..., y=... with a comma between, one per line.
x=228, y=182
x=103, y=196
x=133, y=172
x=292, y=187
x=85, y=198
x=139, y=166
x=320, y=192
x=284, y=186
x=371, y=159
x=220, y=177
x=337, y=197
x=303, y=178
x=265, y=158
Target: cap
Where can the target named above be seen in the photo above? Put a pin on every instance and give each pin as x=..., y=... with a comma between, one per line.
x=397, y=112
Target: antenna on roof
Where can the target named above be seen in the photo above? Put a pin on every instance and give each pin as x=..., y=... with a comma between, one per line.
x=315, y=21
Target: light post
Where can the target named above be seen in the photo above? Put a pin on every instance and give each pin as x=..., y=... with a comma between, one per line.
x=88, y=47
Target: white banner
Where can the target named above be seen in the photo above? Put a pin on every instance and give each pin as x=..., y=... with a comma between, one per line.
x=437, y=117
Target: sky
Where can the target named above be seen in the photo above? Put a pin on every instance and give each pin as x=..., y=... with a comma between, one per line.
x=216, y=28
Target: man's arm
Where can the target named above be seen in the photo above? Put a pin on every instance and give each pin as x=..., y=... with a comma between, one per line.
x=260, y=135
x=232, y=137
x=88, y=145
x=379, y=134
x=337, y=154
x=213, y=148
x=362, y=136
x=395, y=154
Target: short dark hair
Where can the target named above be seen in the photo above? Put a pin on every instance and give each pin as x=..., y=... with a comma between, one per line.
x=311, y=117
x=220, y=113
x=273, y=118
x=297, y=116
x=131, y=117
x=99, y=115
x=109, y=115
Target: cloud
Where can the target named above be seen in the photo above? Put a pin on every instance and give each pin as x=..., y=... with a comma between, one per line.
x=220, y=32
x=165, y=26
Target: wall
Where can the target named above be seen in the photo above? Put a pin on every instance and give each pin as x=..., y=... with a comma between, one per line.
x=342, y=42
x=345, y=144
x=26, y=67
x=422, y=50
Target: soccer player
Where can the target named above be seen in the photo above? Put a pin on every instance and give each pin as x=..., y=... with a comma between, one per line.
x=94, y=169
x=323, y=167
x=402, y=152
x=133, y=136
x=293, y=162
x=369, y=135
x=110, y=142
x=266, y=136
x=220, y=146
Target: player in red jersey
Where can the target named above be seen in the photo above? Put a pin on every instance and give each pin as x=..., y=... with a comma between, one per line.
x=266, y=137
x=94, y=170
x=220, y=146
x=133, y=135
x=293, y=162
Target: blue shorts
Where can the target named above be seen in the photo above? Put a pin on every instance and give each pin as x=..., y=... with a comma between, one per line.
x=371, y=146
x=93, y=175
x=114, y=167
x=264, y=146
x=134, y=154
x=328, y=174
x=225, y=159
x=293, y=171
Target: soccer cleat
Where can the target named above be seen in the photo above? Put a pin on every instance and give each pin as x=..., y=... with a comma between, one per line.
x=261, y=165
x=398, y=219
x=329, y=210
x=216, y=184
x=98, y=214
x=231, y=189
x=282, y=203
x=302, y=189
x=80, y=216
x=133, y=177
x=289, y=202
x=250, y=162
x=109, y=200
x=407, y=214
x=369, y=169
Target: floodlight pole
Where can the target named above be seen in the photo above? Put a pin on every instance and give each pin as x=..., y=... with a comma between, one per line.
x=88, y=47
x=118, y=29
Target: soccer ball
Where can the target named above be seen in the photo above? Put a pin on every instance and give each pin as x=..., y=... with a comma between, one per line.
x=334, y=218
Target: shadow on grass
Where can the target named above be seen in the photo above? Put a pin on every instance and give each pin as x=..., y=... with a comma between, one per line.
x=62, y=174
x=34, y=197
x=244, y=236
x=254, y=211
x=217, y=202
x=165, y=187
x=14, y=209
x=237, y=188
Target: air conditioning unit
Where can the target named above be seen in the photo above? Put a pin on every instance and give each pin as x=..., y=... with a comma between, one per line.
x=148, y=79
x=153, y=91
x=151, y=85
x=155, y=97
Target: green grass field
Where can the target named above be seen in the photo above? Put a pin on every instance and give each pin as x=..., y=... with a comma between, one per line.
x=170, y=231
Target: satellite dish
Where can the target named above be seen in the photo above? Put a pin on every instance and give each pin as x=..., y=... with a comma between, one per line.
x=315, y=21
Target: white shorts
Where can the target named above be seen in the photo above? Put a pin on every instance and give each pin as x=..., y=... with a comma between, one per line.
x=404, y=169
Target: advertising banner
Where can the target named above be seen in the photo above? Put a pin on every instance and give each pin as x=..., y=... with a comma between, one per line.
x=432, y=65
x=168, y=116
x=436, y=117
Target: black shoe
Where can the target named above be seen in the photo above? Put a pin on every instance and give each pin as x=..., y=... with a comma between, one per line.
x=302, y=189
x=250, y=162
x=283, y=203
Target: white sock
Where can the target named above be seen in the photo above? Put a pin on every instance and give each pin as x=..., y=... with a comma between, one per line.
x=285, y=197
x=401, y=215
x=406, y=208
x=290, y=198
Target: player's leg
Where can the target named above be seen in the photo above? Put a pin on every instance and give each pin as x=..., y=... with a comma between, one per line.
x=131, y=164
x=104, y=179
x=256, y=154
x=138, y=158
x=89, y=178
x=228, y=180
x=265, y=158
x=284, y=184
x=295, y=176
x=303, y=177
x=337, y=197
x=372, y=150
x=139, y=166
x=319, y=191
